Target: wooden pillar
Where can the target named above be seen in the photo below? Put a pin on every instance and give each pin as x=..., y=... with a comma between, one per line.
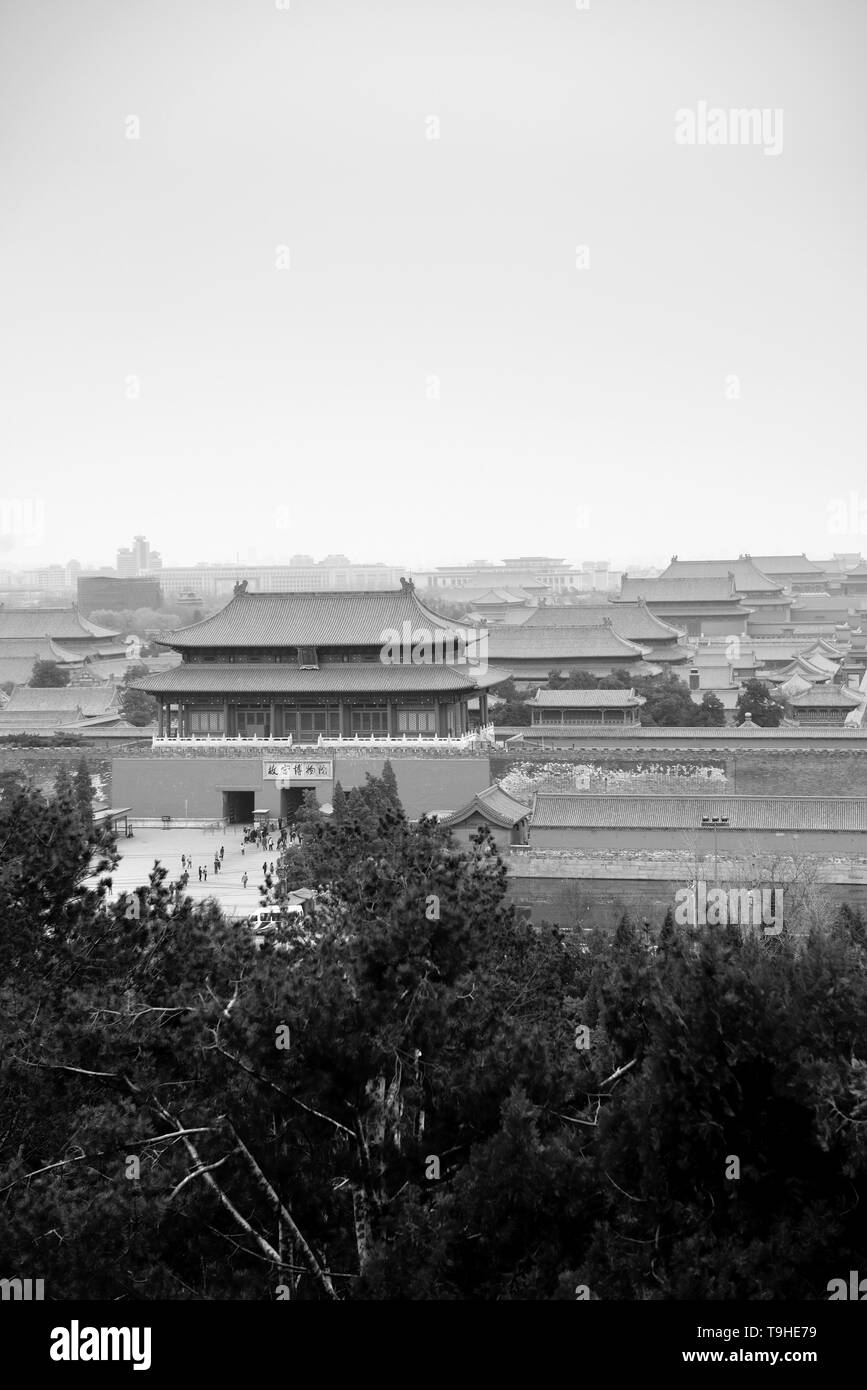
x=442, y=717
x=225, y=718
x=182, y=719
x=271, y=719
x=388, y=726
x=340, y=725
x=162, y=717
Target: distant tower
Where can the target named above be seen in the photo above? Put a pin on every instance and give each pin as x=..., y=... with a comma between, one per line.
x=141, y=551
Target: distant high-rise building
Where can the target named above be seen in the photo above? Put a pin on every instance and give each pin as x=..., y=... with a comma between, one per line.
x=138, y=559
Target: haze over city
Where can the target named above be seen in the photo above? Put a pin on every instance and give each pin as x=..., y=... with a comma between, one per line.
x=442, y=285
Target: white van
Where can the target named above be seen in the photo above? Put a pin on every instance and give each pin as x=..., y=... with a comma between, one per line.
x=272, y=916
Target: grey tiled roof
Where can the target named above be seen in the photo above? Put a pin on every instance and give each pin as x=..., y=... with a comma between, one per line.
x=748, y=577
x=262, y=677
x=784, y=813
x=90, y=699
x=36, y=721
x=318, y=618
x=830, y=603
x=680, y=590
x=495, y=805
x=586, y=699
x=825, y=697
x=670, y=651
x=634, y=621
x=559, y=644
x=64, y=623
x=786, y=564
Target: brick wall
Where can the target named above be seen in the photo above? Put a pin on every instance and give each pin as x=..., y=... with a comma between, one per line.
x=187, y=784
x=41, y=765
x=808, y=769
x=547, y=888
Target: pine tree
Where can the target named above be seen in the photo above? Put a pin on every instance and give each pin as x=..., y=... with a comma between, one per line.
x=84, y=792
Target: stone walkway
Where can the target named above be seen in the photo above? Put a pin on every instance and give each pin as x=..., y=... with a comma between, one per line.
x=167, y=846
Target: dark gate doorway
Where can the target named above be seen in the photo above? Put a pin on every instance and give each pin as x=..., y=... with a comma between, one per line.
x=292, y=800
x=238, y=807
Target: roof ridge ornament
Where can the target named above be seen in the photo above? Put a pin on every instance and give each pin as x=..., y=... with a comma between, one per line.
x=240, y=588
x=407, y=585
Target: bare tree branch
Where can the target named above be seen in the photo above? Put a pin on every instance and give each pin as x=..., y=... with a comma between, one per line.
x=321, y=1275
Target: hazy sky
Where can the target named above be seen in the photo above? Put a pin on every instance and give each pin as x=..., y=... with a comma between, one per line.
x=440, y=373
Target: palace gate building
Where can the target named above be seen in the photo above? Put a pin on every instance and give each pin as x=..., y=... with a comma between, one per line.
x=277, y=692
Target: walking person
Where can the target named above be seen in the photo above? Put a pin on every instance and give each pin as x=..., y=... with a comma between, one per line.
x=183, y=861
x=244, y=878
x=242, y=851
x=264, y=866
x=205, y=872
x=200, y=873
x=222, y=852
x=271, y=870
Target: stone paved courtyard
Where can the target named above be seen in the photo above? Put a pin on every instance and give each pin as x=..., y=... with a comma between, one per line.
x=138, y=855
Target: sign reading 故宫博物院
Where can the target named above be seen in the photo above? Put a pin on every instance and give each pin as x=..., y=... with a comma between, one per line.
x=319, y=770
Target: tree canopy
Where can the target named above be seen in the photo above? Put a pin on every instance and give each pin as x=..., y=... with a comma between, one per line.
x=48, y=674
x=411, y=1094
x=756, y=700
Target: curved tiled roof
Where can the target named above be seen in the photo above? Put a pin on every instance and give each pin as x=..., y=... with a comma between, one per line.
x=671, y=651
x=786, y=564
x=825, y=697
x=747, y=576
x=62, y=623
x=560, y=643
x=495, y=805
x=263, y=677
x=318, y=618
x=681, y=590
x=88, y=699
x=632, y=620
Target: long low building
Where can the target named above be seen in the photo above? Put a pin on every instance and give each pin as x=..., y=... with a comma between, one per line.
x=739, y=825
x=554, y=710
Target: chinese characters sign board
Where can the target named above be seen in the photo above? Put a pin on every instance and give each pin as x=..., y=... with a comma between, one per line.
x=318, y=771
